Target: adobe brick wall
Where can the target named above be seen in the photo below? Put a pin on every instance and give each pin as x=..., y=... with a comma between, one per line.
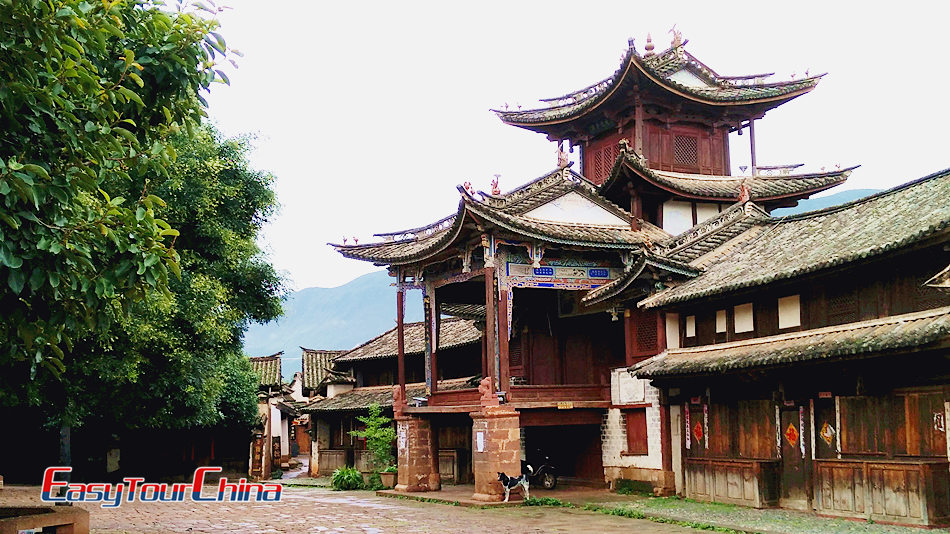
x=501, y=430
x=417, y=468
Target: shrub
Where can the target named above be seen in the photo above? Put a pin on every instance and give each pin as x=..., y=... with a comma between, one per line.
x=546, y=501
x=276, y=474
x=390, y=469
x=347, y=478
x=379, y=435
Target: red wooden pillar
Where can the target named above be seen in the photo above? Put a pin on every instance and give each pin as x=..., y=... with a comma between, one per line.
x=504, y=377
x=629, y=331
x=490, y=316
x=660, y=332
x=401, y=340
x=436, y=326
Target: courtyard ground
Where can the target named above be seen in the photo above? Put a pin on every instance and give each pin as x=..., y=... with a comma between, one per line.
x=309, y=509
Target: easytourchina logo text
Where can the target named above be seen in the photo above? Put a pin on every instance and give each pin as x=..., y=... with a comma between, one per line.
x=112, y=495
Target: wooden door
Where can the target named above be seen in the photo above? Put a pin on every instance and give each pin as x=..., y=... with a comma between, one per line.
x=796, y=452
x=544, y=359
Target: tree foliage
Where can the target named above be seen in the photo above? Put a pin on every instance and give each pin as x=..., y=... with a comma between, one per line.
x=176, y=361
x=90, y=93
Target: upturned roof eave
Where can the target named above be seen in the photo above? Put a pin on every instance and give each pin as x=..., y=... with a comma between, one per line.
x=635, y=61
x=629, y=161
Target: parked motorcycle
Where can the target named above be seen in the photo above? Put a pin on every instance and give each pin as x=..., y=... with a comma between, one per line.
x=542, y=473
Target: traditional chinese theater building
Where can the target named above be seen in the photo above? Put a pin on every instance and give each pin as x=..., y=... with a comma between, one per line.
x=600, y=289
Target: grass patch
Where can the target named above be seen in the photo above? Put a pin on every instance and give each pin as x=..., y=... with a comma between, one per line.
x=637, y=514
x=625, y=486
x=546, y=501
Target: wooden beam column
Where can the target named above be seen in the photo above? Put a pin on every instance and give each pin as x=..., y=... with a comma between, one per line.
x=504, y=375
x=435, y=324
x=491, y=340
x=629, y=333
x=401, y=339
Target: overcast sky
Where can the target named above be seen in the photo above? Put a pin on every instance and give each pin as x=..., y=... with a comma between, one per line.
x=370, y=113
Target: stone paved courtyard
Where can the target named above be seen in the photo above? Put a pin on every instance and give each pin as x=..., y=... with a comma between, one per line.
x=309, y=510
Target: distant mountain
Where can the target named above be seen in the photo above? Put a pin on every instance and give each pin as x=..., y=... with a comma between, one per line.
x=331, y=318
x=813, y=204
x=346, y=316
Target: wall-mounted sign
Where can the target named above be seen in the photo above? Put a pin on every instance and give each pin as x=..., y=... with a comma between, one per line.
x=565, y=405
x=480, y=441
x=824, y=394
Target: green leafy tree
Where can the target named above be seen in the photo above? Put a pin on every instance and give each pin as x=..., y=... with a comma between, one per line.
x=379, y=435
x=176, y=361
x=90, y=92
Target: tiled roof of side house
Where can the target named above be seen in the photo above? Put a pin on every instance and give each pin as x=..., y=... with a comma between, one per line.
x=361, y=398
x=660, y=69
x=454, y=333
x=724, y=188
x=787, y=247
x=315, y=363
x=711, y=234
x=632, y=271
x=509, y=211
x=464, y=311
x=917, y=330
x=268, y=369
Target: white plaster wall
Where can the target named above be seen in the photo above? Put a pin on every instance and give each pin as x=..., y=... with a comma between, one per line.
x=676, y=437
x=335, y=389
x=275, y=425
x=677, y=216
x=614, y=436
x=705, y=211
x=626, y=389
x=573, y=208
x=285, y=437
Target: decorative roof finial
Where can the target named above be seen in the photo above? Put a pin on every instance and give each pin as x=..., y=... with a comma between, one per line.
x=630, y=42
x=677, y=37
x=649, y=47
x=495, y=190
x=562, y=159
x=745, y=193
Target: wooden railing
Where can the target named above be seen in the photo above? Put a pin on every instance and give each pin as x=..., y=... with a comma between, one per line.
x=457, y=397
x=554, y=393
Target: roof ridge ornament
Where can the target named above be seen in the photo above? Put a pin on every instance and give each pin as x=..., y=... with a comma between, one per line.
x=677, y=37
x=649, y=47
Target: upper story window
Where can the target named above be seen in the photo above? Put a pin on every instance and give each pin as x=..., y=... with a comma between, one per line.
x=690, y=326
x=686, y=150
x=744, y=318
x=720, y=321
x=789, y=312
x=672, y=330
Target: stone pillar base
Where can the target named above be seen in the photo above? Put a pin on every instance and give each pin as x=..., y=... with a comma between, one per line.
x=417, y=469
x=496, y=446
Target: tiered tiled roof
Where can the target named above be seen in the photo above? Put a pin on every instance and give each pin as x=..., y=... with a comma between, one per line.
x=662, y=69
x=453, y=333
x=509, y=212
x=315, y=365
x=723, y=188
x=782, y=248
x=267, y=369
x=361, y=398
x=873, y=337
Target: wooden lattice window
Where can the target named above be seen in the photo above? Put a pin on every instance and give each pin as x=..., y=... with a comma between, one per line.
x=598, y=166
x=647, y=340
x=686, y=150
x=842, y=307
x=515, y=358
